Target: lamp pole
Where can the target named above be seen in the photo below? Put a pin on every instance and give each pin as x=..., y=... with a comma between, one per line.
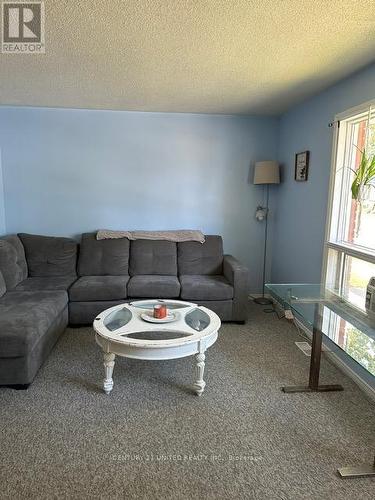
x=263, y=300
x=266, y=173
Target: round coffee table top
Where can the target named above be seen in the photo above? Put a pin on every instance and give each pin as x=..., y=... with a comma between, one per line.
x=124, y=324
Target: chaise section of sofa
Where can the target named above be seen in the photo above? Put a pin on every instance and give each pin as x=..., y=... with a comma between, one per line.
x=35, y=273
x=30, y=325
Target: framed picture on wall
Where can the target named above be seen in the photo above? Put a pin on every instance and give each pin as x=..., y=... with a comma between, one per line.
x=302, y=166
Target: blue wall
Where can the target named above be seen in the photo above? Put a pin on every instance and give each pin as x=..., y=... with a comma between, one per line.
x=70, y=171
x=2, y=203
x=302, y=206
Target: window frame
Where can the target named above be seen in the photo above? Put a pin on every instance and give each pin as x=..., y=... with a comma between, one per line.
x=343, y=249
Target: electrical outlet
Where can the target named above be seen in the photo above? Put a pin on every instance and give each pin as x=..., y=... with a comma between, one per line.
x=306, y=348
x=289, y=314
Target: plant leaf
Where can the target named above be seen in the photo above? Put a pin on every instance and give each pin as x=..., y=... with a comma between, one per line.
x=364, y=175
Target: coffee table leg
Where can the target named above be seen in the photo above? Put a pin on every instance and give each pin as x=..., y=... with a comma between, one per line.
x=199, y=383
x=109, y=363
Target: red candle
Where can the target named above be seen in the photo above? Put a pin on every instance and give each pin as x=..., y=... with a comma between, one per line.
x=160, y=311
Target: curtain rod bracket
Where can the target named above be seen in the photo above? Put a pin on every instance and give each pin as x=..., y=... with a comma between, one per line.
x=331, y=124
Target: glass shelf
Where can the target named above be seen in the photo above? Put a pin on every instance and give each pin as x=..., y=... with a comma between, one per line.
x=117, y=319
x=318, y=307
x=197, y=319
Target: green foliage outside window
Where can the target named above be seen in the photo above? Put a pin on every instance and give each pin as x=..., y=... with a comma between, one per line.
x=361, y=348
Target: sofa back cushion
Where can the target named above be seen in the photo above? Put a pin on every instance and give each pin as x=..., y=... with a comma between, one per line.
x=3, y=287
x=50, y=255
x=103, y=257
x=153, y=257
x=14, y=240
x=201, y=258
x=12, y=261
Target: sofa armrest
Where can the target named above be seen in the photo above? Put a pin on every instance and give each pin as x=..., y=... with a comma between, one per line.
x=238, y=276
x=233, y=270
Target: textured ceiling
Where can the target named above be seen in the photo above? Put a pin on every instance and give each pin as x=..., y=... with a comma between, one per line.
x=206, y=56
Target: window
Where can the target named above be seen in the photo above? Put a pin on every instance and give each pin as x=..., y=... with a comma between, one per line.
x=350, y=244
x=358, y=345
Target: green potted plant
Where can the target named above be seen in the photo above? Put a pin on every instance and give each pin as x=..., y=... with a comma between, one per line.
x=364, y=177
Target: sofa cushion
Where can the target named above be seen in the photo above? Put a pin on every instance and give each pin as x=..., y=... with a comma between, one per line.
x=14, y=240
x=154, y=286
x=45, y=283
x=103, y=257
x=50, y=255
x=201, y=258
x=3, y=287
x=205, y=288
x=84, y=313
x=94, y=288
x=153, y=257
x=12, y=265
x=25, y=317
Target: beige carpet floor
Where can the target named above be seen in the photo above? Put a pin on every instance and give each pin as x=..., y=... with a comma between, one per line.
x=152, y=438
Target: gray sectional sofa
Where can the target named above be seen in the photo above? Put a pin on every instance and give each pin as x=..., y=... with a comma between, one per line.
x=47, y=283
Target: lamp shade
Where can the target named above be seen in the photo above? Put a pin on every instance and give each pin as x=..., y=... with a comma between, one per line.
x=267, y=172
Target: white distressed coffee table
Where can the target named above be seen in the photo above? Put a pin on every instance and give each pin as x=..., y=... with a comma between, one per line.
x=121, y=331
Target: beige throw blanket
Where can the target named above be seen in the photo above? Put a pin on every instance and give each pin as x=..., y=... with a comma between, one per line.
x=176, y=236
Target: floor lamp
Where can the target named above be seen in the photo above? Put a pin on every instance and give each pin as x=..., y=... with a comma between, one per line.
x=265, y=172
